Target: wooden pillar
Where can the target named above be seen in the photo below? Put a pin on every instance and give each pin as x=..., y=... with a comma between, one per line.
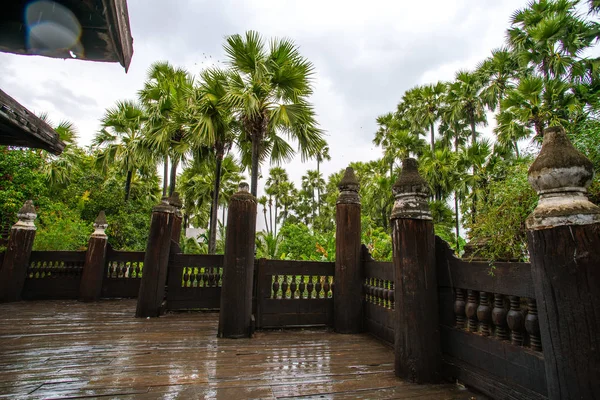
x=235, y=317
x=564, y=245
x=18, y=251
x=416, y=324
x=90, y=287
x=347, y=298
x=156, y=260
x=176, y=232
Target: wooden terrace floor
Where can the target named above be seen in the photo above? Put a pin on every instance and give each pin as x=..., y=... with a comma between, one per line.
x=66, y=349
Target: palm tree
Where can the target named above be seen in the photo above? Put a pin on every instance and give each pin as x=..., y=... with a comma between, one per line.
x=427, y=101
x=499, y=72
x=312, y=181
x=168, y=95
x=277, y=177
x=214, y=128
x=120, y=140
x=268, y=91
x=262, y=200
x=464, y=100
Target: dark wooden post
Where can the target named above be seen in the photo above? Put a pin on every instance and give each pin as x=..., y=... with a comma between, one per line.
x=90, y=287
x=18, y=251
x=347, y=298
x=176, y=203
x=235, y=316
x=156, y=260
x=416, y=324
x=564, y=245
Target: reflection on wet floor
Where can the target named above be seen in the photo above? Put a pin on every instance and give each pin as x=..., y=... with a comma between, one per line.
x=66, y=349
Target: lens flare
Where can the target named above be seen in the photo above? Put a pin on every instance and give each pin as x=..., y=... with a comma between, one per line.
x=53, y=30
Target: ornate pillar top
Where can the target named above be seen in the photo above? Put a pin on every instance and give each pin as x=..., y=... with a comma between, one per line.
x=100, y=225
x=561, y=175
x=411, y=192
x=348, y=188
x=243, y=193
x=26, y=217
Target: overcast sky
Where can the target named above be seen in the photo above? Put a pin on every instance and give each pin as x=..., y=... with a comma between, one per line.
x=366, y=54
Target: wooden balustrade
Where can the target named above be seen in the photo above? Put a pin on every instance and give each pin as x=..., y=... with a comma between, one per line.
x=53, y=275
x=123, y=273
x=194, y=281
x=305, y=287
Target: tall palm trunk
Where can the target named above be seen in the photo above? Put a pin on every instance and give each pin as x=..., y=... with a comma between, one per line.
x=314, y=208
x=254, y=178
x=165, y=175
x=275, y=232
x=318, y=189
x=174, y=163
x=473, y=141
x=212, y=239
x=128, y=184
x=265, y=215
x=516, y=144
x=271, y=212
x=457, y=219
x=432, y=139
x=473, y=131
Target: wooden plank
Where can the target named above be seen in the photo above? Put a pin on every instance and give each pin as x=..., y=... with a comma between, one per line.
x=379, y=322
x=273, y=306
x=485, y=383
x=51, y=288
x=281, y=320
x=125, y=256
x=65, y=256
x=289, y=267
x=508, y=278
x=196, y=260
x=379, y=269
x=121, y=287
x=511, y=364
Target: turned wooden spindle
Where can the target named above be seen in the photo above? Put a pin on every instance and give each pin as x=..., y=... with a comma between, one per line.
x=532, y=325
x=515, y=321
x=499, y=317
x=484, y=314
x=275, y=286
x=459, y=308
x=284, y=287
x=471, y=310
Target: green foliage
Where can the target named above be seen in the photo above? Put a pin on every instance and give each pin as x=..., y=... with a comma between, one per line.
x=377, y=240
x=500, y=221
x=20, y=179
x=60, y=228
x=299, y=242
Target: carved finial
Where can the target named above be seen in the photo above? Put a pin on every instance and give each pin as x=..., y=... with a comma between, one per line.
x=164, y=206
x=100, y=225
x=411, y=192
x=243, y=193
x=243, y=187
x=174, y=200
x=561, y=175
x=348, y=187
x=26, y=216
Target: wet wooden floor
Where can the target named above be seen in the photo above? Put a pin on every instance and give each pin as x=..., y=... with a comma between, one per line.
x=66, y=349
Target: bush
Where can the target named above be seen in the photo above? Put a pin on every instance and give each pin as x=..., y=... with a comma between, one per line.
x=59, y=228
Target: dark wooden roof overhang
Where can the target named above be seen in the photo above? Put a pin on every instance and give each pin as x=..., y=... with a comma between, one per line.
x=20, y=127
x=105, y=34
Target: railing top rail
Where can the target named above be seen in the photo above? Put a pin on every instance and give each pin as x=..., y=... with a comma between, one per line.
x=196, y=260
x=509, y=278
x=66, y=256
x=379, y=269
x=136, y=256
x=291, y=267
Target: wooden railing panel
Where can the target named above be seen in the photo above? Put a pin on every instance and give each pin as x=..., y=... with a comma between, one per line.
x=489, y=326
x=379, y=301
x=294, y=293
x=53, y=275
x=123, y=273
x=194, y=281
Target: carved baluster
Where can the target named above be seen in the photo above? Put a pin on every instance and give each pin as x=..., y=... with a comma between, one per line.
x=515, y=320
x=284, y=287
x=499, y=317
x=220, y=284
x=293, y=287
x=205, y=277
x=386, y=294
x=218, y=277
x=310, y=287
x=532, y=325
x=302, y=287
x=471, y=310
x=392, y=292
x=484, y=313
x=211, y=277
x=332, y=288
x=327, y=286
x=275, y=287
x=186, y=277
x=459, y=308
x=319, y=287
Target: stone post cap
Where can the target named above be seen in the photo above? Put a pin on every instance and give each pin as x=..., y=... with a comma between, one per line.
x=243, y=193
x=561, y=175
x=26, y=216
x=411, y=192
x=100, y=225
x=348, y=188
x=174, y=200
x=164, y=206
